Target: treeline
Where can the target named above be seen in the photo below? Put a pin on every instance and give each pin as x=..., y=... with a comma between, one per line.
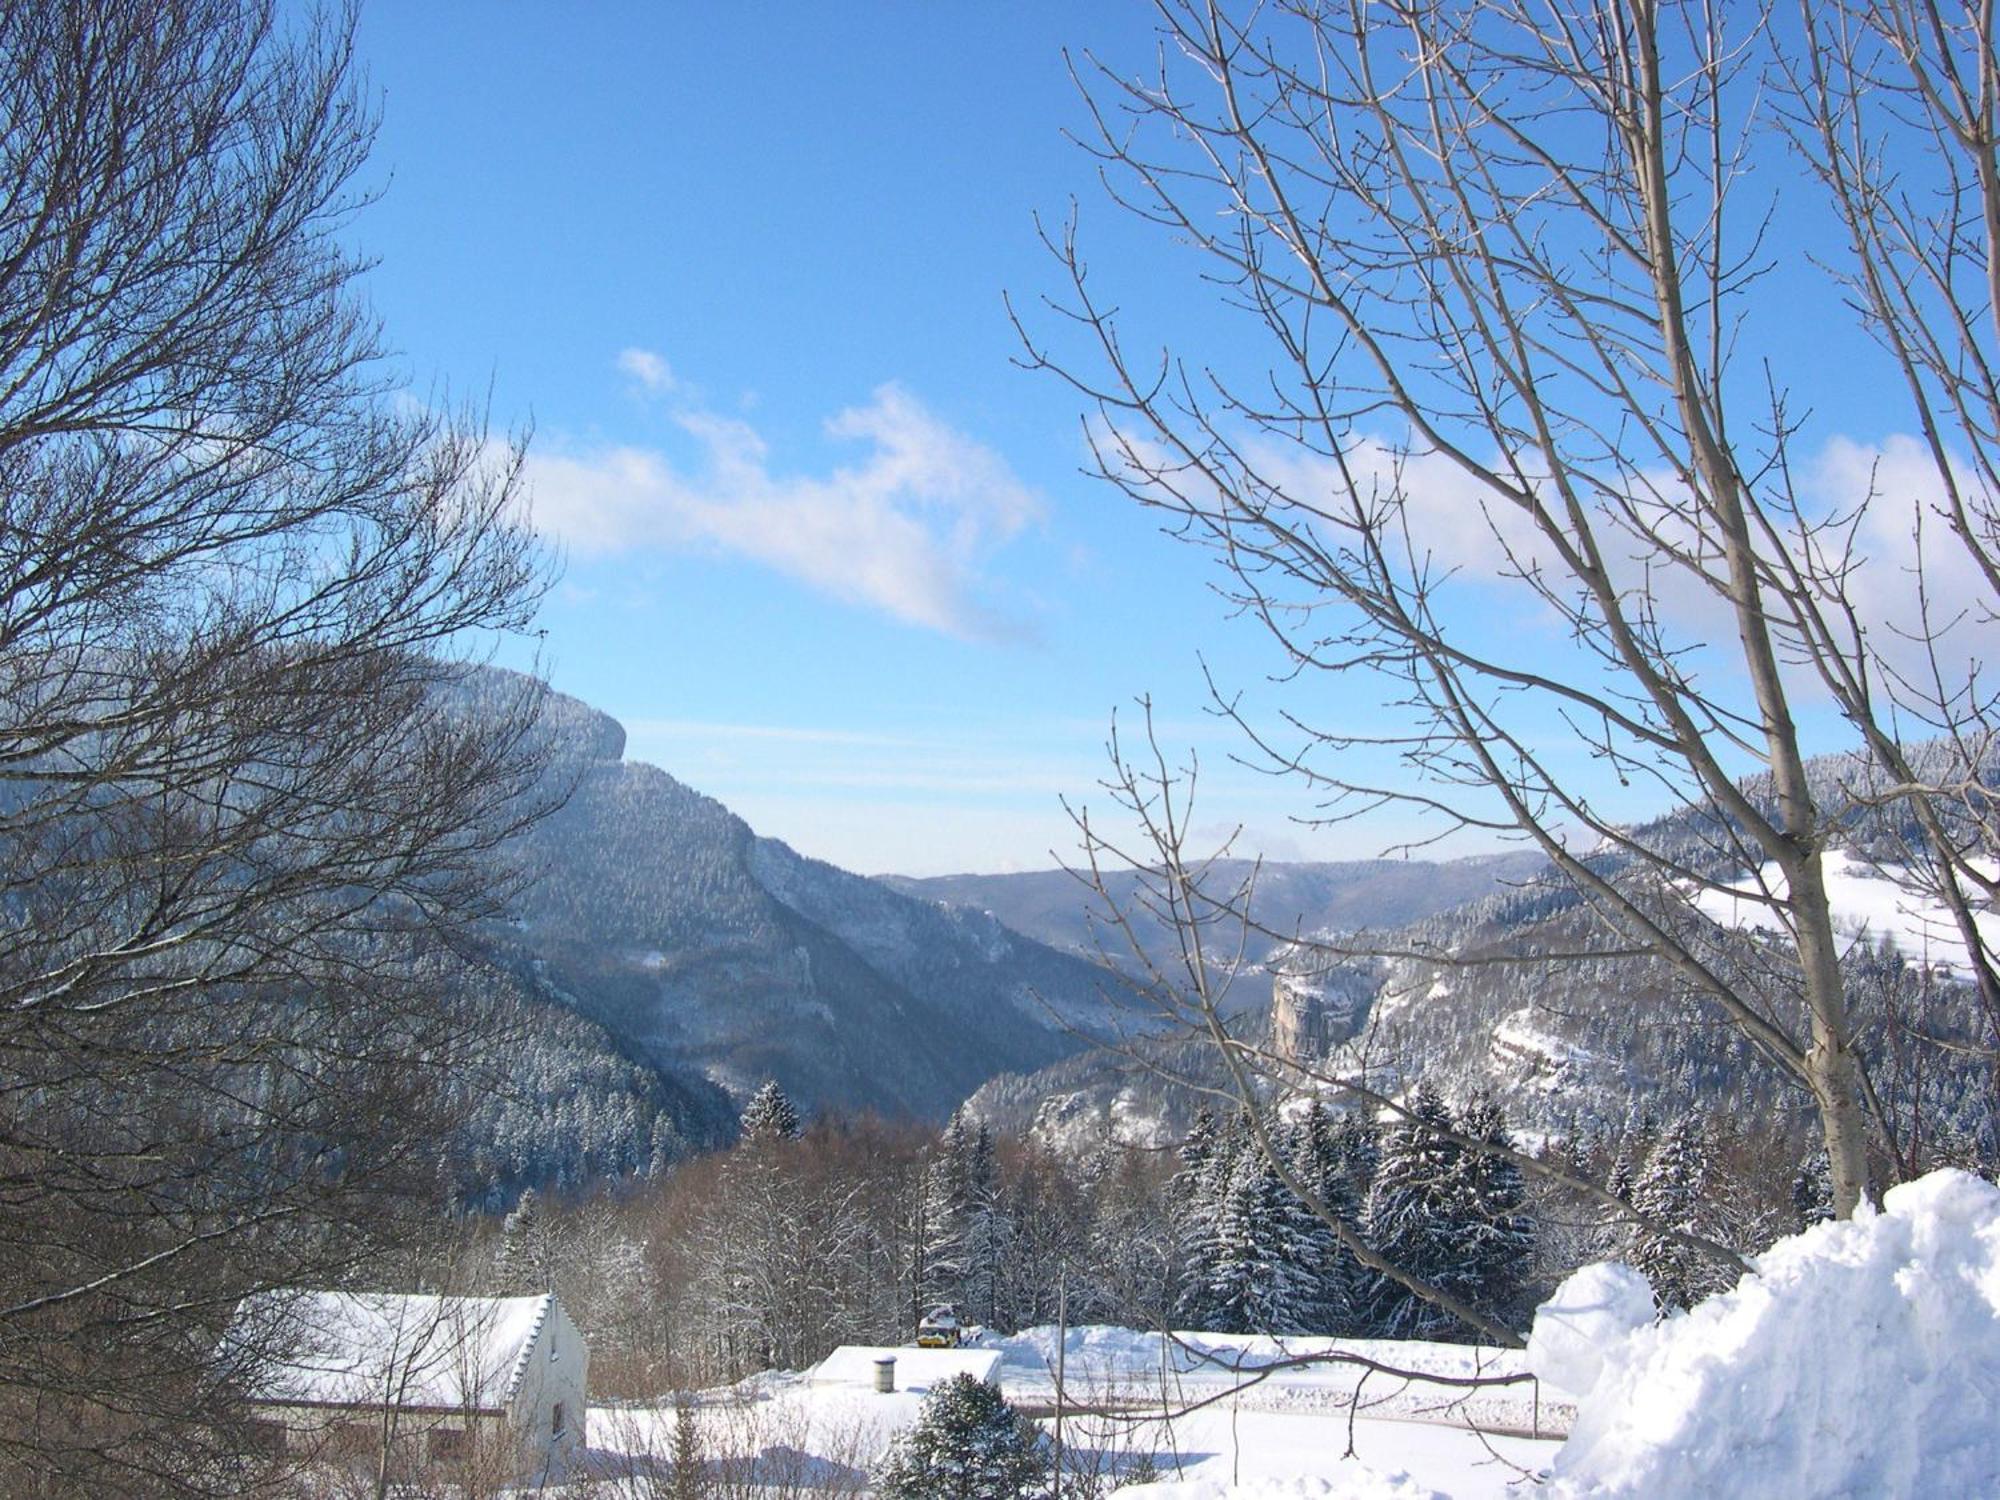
x=773, y=1253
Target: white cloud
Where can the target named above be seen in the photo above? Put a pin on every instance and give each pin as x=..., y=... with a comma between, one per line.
x=904, y=530
x=648, y=368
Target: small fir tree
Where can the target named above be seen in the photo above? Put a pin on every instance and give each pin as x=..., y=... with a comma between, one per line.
x=769, y=1116
x=967, y=1444
x=690, y=1473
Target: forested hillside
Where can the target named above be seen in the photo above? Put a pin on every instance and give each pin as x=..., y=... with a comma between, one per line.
x=707, y=951
x=1285, y=899
x=1524, y=992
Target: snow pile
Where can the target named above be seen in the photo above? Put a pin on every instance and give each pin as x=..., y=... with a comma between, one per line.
x=1857, y=1359
x=1351, y=1482
x=1587, y=1318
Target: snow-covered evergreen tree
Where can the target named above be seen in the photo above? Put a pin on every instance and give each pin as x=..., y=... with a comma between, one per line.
x=1266, y=1262
x=966, y=1444
x=1496, y=1234
x=1812, y=1190
x=960, y=1239
x=769, y=1116
x=1209, y=1158
x=1676, y=1191
x=526, y=1258
x=1410, y=1219
x=1319, y=1161
x=1358, y=1144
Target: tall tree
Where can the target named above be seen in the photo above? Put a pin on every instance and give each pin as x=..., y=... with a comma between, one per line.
x=1515, y=347
x=1675, y=1191
x=1497, y=1232
x=248, y=789
x=1412, y=1217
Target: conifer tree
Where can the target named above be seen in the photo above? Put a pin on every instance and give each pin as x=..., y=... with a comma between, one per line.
x=769, y=1116
x=1496, y=1233
x=525, y=1263
x=1320, y=1164
x=1676, y=1191
x=1211, y=1154
x=967, y=1444
x=958, y=1200
x=1359, y=1145
x=1410, y=1220
x=1266, y=1265
x=1812, y=1190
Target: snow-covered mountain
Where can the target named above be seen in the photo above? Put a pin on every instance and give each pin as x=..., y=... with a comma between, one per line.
x=712, y=952
x=1055, y=907
x=1474, y=998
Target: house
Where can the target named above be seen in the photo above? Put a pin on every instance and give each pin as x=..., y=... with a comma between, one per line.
x=413, y=1380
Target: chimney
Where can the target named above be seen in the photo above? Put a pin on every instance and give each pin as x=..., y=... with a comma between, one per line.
x=885, y=1373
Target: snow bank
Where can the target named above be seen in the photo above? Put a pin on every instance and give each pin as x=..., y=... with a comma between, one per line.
x=1856, y=1359
x=1351, y=1482
x=1581, y=1326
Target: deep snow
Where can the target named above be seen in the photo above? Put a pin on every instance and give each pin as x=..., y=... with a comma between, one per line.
x=1856, y=1359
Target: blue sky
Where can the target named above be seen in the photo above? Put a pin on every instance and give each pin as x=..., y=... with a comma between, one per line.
x=828, y=553
x=714, y=250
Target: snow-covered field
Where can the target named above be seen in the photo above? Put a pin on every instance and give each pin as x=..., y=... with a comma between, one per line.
x=791, y=1426
x=1856, y=1359
x=1867, y=902
x=1377, y=1378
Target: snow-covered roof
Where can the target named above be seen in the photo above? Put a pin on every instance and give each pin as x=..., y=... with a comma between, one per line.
x=387, y=1349
x=916, y=1369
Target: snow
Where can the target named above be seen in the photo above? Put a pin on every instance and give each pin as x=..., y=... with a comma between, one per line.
x=1353, y=1483
x=367, y=1348
x=1543, y=1060
x=1858, y=1358
x=1584, y=1323
x=916, y=1369
x=1260, y=1373
x=1225, y=1448
x=1865, y=900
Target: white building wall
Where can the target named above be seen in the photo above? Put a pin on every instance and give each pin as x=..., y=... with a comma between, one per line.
x=558, y=1370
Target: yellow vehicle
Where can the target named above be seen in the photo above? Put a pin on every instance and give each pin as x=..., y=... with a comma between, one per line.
x=940, y=1329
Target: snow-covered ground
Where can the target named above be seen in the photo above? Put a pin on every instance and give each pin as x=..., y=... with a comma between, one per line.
x=1243, y=1416
x=1867, y=902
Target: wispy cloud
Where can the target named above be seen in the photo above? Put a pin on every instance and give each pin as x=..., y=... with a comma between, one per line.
x=649, y=369
x=906, y=530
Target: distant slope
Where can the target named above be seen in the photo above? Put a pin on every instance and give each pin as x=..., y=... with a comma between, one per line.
x=661, y=915
x=1590, y=1041
x=1288, y=899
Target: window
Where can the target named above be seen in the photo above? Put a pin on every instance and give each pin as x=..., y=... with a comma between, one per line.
x=556, y=1425
x=447, y=1442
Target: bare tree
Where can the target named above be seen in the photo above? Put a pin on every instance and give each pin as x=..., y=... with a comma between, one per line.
x=249, y=794
x=1515, y=352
